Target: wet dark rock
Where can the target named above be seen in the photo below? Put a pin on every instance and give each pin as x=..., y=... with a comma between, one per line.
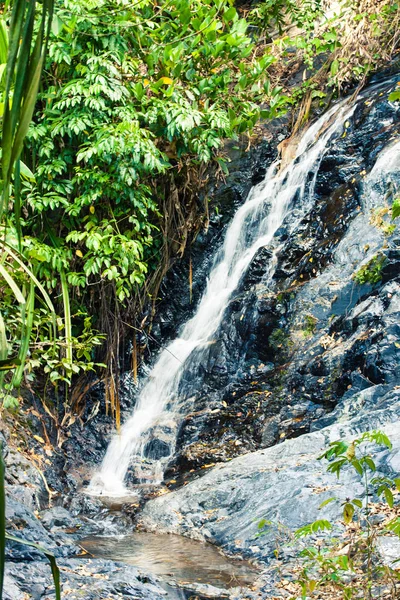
x=309, y=337
x=324, y=336
x=23, y=523
x=246, y=169
x=156, y=449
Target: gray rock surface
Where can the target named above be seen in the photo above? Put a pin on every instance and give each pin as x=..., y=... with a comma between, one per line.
x=389, y=548
x=28, y=572
x=284, y=484
x=86, y=579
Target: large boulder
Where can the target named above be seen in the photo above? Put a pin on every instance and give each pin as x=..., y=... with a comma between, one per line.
x=284, y=484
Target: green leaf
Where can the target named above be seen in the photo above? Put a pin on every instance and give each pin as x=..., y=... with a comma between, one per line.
x=32, y=276
x=319, y=525
x=334, y=67
x=394, y=526
x=10, y=363
x=229, y=14
x=348, y=512
x=356, y=464
x=396, y=206
x=388, y=496
x=25, y=336
x=326, y=502
x=57, y=25
x=27, y=173
x=223, y=165
x=3, y=341
x=394, y=96
x=262, y=524
x=368, y=461
x=11, y=283
x=379, y=437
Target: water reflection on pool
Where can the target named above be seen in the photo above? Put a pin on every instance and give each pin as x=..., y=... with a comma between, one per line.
x=173, y=558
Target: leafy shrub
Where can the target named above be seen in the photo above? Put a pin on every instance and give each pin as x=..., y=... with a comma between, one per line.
x=325, y=568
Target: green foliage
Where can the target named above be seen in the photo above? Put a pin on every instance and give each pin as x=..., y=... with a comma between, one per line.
x=394, y=96
x=270, y=14
x=394, y=526
x=321, y=525
x=396, y=208
x=330, y=566
x=321, y=568
x=342, y=453
x=335, y=46
x=132, y=98
x=136, y=97
x=23, y=51
x=278, y=339
x=24, y=31
x=310, y=325
x=372, y=271
x=138, y=91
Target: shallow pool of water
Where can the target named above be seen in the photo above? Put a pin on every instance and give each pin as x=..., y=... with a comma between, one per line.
x=174, y=559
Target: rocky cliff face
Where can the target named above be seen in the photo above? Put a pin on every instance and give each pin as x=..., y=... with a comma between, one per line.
x=290, y=350
x=317, y=350
x=305, y=360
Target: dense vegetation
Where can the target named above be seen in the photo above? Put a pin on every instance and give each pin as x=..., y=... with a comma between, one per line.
x=136, y=101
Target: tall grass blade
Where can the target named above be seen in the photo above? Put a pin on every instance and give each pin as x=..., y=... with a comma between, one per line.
x=32, y=276
x=67, y=317
x=22, y=71
x=3, y=42
x=17, y=202
x=24, y=68
x=25, y=337
x=3, y=351
x=3, y=340
x=26, y=117
x=16, y=25
x=11, y=283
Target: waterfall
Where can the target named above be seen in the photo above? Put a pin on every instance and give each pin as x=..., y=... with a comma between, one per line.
x=253, y=227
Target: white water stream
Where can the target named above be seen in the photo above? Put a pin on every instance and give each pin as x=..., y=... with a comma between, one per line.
x=253, y=227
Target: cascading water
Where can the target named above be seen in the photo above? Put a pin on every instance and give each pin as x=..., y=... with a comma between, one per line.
x=388, y=162
x=252, y=228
